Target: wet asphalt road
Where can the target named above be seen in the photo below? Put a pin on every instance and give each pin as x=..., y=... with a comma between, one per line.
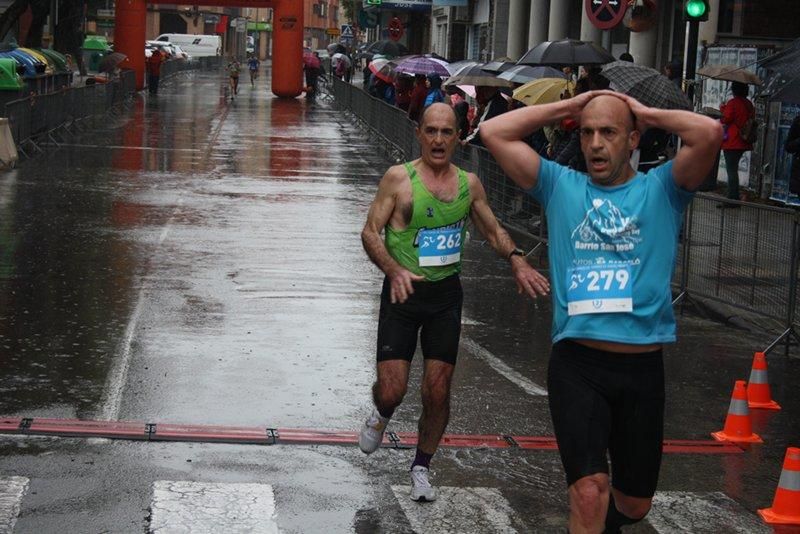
x=198, y=260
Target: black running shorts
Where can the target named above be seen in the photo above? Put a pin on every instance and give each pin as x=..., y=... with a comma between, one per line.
x=435, y=307
x=604, y=401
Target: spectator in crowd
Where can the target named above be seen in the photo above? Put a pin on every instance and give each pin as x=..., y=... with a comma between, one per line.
x=154, y=70
x=491, y=103
x=461, y=107
x=435, y=93
x=367, y=75
x=792, y=146
x=418, y=96
x=625, y=56
x=403, y=86
x=735, y=113
x=674, y=71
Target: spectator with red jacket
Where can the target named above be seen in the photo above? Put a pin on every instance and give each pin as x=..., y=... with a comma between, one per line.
x=735, y=113
x=418, y=96
x=154, y=70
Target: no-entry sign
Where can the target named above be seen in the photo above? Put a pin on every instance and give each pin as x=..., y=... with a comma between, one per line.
x=605, y=14
x=395, y=29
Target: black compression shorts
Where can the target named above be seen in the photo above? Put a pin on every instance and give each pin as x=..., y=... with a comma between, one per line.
x=435, y=307
x=604, y=401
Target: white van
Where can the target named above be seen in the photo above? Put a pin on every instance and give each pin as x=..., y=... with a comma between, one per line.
x=194, y=45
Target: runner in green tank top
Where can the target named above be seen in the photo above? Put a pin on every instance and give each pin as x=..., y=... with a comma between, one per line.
x=423, y=207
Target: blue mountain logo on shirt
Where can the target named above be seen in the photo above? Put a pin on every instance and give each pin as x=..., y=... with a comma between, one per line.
x=605, y=223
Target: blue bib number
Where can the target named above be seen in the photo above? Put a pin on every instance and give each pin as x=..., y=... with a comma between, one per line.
x=439, y=247
x=599, y=289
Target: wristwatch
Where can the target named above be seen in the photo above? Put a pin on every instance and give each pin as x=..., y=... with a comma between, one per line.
x=516, y=252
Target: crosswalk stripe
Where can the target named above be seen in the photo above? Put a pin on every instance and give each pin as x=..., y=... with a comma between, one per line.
x=209, y=507
x=11, y=491
x=679, y=511
x=458, y=511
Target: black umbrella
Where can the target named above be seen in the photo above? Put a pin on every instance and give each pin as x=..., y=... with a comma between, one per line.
x=526, y=73
x=499, y=65
x=646, y=85
x=567, y=52
x=336, y=48
x=477, y=76
x=387, y=48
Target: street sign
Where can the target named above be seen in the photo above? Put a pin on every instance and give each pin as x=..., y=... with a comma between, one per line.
x=347, y=31
x=332, y=31
x=395, y=29
x=605, y=14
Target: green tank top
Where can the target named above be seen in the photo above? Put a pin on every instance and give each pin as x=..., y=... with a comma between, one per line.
x=431, y=244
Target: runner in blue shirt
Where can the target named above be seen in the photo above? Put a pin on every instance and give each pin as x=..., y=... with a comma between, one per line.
x=612, y=240
x=252, y=65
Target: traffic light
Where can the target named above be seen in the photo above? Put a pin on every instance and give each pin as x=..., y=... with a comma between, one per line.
x=695, y=10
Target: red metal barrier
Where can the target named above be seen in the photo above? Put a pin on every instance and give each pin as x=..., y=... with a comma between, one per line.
x=86, y=429
x=293, y=436
x=211, y=434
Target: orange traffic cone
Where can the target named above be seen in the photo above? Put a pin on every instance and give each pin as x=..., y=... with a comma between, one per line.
x=758, y=393
x=737, y=423
x=786, y=505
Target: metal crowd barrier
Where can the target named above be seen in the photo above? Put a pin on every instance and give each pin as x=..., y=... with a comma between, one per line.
x=36, y=118
x=740, y=254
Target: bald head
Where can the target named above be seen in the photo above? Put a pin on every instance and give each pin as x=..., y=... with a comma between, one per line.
x=437, y=109
x=615, y=107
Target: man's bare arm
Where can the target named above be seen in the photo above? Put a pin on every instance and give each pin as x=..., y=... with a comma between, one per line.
x=504, y=135
x=380, y=212
x=701, y=139
x=527, y=278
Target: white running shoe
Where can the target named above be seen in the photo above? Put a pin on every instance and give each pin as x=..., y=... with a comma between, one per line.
x=372, y=432
x=421, y=489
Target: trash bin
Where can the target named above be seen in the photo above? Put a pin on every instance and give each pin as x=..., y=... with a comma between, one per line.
x=10, y=80
x=94, y=48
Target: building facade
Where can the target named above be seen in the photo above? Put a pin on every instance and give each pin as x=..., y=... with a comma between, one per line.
x=321, y=24
x=486, y=29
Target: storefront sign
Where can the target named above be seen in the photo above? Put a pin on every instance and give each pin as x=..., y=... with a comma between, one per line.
x=408, y=5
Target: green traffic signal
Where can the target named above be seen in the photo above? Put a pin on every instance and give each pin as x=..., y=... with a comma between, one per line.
x=695, y=10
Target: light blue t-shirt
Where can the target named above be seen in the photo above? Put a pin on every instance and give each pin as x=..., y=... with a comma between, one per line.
x=612, y=253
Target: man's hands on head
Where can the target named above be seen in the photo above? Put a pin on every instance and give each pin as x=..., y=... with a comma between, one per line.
x=528, y=279
x=400, y=281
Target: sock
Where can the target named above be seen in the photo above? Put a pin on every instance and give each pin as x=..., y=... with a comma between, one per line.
x=616, y=519
x=422, y=458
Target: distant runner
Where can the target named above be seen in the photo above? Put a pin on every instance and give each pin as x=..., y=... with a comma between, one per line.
x=233, y=74
x=612, y=241
x=423, y=207
x=253, y=65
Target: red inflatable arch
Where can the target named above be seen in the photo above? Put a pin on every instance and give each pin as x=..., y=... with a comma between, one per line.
x=287, y=38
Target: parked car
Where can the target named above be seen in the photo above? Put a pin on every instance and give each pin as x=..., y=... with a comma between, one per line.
x=180, y=53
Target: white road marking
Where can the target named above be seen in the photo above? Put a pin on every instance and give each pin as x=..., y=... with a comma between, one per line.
x=530, y=387
x=679, y=511
x=458, y=511
x=11, y=491
x=209, y=507
x=118, y=376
